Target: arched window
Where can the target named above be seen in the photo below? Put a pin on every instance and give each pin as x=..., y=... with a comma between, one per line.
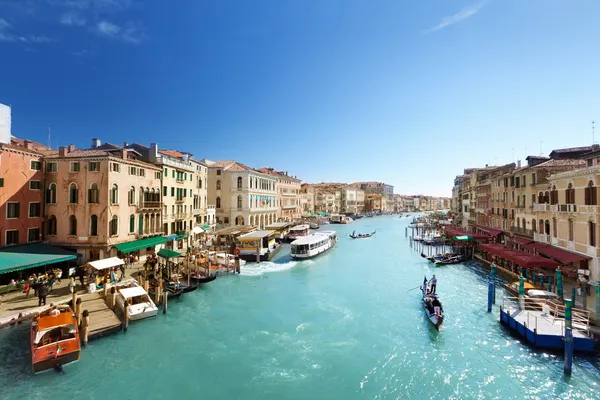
x=541, y=198
x=73, y=194
x=94, y=194
x=51, y=194
x=52, y=225
x=132, y=223
x=218, y=185
x=547, y=197
x=72, y=225
x=218, y=202
x=114, y=226
x=591, y=195
x=541, y=225
x=524, y=224
x=554, y=195
x=533, y=226
x=547, y=227
x=570, y=194
x=239, y=182
x=518, y=223
x=94, y=225
x=239, y=202
x=131, y=196
x=114, y=194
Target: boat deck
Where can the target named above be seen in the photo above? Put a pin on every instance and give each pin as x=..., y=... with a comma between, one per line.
x=102, y=319
x=545, y=324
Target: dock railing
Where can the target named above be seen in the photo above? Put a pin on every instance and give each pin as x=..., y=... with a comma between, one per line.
x=580, y=318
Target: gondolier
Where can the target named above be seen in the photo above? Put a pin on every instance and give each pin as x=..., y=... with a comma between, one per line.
x=432, y=285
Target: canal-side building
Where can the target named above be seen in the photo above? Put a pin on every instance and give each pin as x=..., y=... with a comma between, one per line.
x=374, y=202
x=99, y=198
x=21, y=192
x=288, y=194
x=242, y=195
x=307, y=199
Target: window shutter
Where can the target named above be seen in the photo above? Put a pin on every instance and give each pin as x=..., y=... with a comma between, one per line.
x=594, y=197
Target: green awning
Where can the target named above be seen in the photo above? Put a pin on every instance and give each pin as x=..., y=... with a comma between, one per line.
x=182, y=237
x=140, y=244
x=181, y=233
x=205, y=227
x=16, y=258
x=463, y=238
x=166, y=253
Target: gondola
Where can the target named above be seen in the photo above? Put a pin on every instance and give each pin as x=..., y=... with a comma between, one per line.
x=362, y=236
x=427, y=300
x=173, y=293
x=186, y=288
x=203, y=279
x=449, y=260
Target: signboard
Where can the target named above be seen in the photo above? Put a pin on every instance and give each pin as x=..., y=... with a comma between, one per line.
x=583, y=272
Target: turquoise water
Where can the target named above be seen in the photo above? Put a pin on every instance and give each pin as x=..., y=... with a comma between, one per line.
x=341, y=326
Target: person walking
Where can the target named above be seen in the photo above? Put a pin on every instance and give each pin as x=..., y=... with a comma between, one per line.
x=72, y=284
x=432, y=285
x=42, y=293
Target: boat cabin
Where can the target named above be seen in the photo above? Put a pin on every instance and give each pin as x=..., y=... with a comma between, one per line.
x=140, y=304
x=258, y=245
x=228, y=236
x=299, y=231
x=281, y=230
x=336, y=218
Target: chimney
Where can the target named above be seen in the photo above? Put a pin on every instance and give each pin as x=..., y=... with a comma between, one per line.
x=518, y=163
x=62, y=151
x=124, y=154
x=95, y=143
x=125, y=144
x=486, y=165
x=286, y=173
x=27, y=144
x=185, y=157
x=71, y=148
x=153, y=153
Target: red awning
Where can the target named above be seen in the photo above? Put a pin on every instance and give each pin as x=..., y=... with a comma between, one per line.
x=562, y=256
x=518, y=257
x=535, y=246
x=521, y=240
x=490, y=231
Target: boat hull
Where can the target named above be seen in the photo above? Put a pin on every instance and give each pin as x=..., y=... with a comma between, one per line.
x=307, y=256
x=435, y=321
x=143, y=315
x=263, y=257
x=51, y=362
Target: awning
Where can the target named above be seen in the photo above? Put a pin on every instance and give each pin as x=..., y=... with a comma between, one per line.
x=518, y=257
x=455, y=232
x=562, y=256
x=140, y=244
x=521, y=240
x=196, y=230
x=106, y=263
x=171, y=237
x=17, y=258
x=490, y=231
x=181, y=233
x=206, y=227
x=166, y=253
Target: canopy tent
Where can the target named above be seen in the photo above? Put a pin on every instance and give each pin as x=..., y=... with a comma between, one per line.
x=166, y=253
x=106, y=263
x=17, y=258
x=490, y=231
x=140, y=244
x=171, y=237
x=562, y=256
x=521, y=240
x=463, y=238
x=196, y=230
x=455, y=232
x=518, y=257
x=133, y=292
x=206, y=227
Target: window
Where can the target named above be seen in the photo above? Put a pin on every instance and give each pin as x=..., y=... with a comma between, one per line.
x=591, y=194
x=218, y=172
x=533, y=179
x=571, y=230
x=35, y=185
x=165, y=191
x=1, y=182
x=13, y=210
x=34, y=210
x=74, y=167
x=570, y=194
x=553, y=195
x=239, y=202
x=33, y=235
x=239, y=182
x=200, y=183
x=51, y=167
x=12, y=237
x=114, y=226
x=93, y=194
x=114, y=194
x=115, y=167
x=592, y=233
x=172, y=192
x=218, y=185
x=52, y=225
x=73, y=194
x=218, y=202
x=94, y=225
x=132, y=223
x=157, y=175
x=51, y=194
x=72, y=225
x=131, y=196
x=35, y=165
x=94, y=166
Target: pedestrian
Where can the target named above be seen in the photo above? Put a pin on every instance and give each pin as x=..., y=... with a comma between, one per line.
x=578, y=287
x=122, y=272
x=59, y=275
x=71, y=284
x=432, y=285
x=42, y=293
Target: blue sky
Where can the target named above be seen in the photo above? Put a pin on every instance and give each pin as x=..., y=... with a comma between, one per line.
x=406, y=92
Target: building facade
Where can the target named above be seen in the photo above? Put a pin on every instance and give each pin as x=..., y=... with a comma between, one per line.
x=288, y=194
x=307, y=199
x=352, y=200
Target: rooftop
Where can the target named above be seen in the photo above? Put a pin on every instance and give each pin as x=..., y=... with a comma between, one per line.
x=231, y=165
x=573, y=152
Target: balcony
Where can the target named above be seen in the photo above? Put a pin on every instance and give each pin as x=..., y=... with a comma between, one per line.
x=179, y=200
x=150, y=205
x=588, y=209
x=522, y=231
x=541, y=207
x=542, y=238
x=179, y=180
x=568, y=208
x=211, y=207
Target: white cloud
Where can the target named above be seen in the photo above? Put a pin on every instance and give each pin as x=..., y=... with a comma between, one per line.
x=130, y=33
x=462, y=15
x=7, y=36
x=84, y=53
x=108, y=28
x=72, y=18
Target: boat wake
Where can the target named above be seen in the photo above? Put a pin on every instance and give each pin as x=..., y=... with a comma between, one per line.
x=253, y=269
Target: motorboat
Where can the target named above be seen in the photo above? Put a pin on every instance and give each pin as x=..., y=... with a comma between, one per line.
x=140, y=304
x=54, y=339
x=313, y=245
x=298, y=231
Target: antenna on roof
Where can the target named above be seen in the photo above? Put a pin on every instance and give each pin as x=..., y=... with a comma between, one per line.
x=49, y=141
x=593, y=134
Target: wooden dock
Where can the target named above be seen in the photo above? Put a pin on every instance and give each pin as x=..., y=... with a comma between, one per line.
x=102, y=319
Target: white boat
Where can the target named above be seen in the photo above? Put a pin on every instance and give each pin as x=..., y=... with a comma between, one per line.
x=313, y=245
x=140, y=304
x=222, y=259
x=298, y=231
x=346, y=220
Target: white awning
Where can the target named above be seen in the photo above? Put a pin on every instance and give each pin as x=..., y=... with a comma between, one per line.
x=133, y=292
x=106, y=263
x=197, y=229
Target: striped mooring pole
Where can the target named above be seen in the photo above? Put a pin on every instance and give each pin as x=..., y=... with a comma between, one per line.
x=559, y=284
x=521, y=293
x=493, y=271
x=568, y=337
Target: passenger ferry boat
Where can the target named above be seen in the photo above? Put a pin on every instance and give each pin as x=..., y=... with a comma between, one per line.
x=313, y=245
x=258, y=246
x=298, y=231
x=54, y=339
x=340, y=219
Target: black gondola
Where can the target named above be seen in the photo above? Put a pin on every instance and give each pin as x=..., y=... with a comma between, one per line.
x=428, y=304
x=362, y=236
x=203, y=279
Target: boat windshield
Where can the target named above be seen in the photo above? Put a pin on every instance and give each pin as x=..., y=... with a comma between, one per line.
x=54, y=335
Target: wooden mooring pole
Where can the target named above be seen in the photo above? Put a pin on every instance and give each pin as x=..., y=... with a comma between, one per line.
x=126, y=316
x=85, y=327
x=568, y=337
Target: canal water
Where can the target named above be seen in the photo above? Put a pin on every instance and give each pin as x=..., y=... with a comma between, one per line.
x=342, y=326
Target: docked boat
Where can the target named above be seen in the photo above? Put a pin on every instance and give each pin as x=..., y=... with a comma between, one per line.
x=336, y=218
x=282, y=229
x=54, y=339
x=224, y=259
x=429, y=301
x=200, y=279
x=450, y=260
x=313, y=245
x=361, y=235
x=298, y=231
x=140, y=304
x=258, y=246
x=314, y=226
x=346, y=220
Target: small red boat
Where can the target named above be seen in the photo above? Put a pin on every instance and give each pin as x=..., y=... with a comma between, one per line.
x=54, y=339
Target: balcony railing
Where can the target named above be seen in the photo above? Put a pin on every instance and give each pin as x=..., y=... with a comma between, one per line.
x=570, y=208
x=541, y=207
x=521, y=231
x=542, y=238
x=179, y=200
x=148, y=205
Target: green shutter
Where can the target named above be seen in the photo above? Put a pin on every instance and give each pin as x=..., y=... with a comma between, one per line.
x=1, y=182
x=172, y=192
x=165, y=191
x=173, y=173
